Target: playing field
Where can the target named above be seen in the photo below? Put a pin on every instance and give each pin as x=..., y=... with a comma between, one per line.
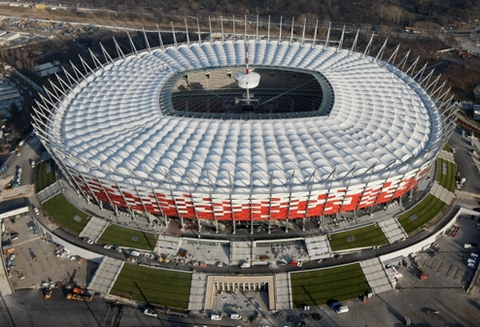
x=151, y=285
x=315, y=288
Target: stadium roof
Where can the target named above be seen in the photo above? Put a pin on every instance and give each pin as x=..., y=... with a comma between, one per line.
x=113, y=120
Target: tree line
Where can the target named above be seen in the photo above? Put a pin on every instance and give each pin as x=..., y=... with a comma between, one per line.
x=390, y=12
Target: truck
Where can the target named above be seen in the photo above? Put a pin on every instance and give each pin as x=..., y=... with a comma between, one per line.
x=295, y=263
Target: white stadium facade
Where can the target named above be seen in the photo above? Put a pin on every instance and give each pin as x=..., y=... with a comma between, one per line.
x=164, y=131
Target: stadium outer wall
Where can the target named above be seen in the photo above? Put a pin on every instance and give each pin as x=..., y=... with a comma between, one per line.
x=226, y=207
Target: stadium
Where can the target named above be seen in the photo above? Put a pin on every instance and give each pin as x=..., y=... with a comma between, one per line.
x=170, y=132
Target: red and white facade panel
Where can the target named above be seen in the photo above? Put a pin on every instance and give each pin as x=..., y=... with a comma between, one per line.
x=225, y=207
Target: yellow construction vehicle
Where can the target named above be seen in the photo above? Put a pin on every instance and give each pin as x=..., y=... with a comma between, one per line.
x=48, y=293
x=80, y=297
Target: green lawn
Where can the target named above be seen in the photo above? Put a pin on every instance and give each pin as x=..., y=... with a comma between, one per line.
x=45, y=174
x=64, y=213
x=357, y=238
x=446, y=172
x=156, y=286
x=421, y=214
x=317, y=287
x=128, y=237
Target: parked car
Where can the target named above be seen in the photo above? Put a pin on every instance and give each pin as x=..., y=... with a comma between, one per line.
x=215, y=316
x=35, y=230
x=35, y=209
x=338, y=307
x=87, y=240
x=432, y=311
x=14, y=236
x=235, y=316
x=150, y=313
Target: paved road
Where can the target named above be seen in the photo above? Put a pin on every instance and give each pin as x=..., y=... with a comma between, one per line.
x=465, y=164
x=28, y=308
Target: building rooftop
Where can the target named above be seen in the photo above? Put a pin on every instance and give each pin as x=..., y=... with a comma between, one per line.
x=114, y=119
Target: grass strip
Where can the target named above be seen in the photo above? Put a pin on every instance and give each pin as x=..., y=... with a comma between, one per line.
x=424, y=211
x=371, y=235
x=45, y=174
x=151, y=285
x=64, y=213
x=125, y=237
x=315, y=288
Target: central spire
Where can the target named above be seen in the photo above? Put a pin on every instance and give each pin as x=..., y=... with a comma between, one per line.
x=247, y=81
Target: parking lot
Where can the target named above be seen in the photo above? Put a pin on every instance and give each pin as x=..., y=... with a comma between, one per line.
x=446, y=263
x=32, y=259
x=251, y=306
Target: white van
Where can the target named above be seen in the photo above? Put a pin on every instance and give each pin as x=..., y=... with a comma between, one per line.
x=245, y=265
x=342, y=309
x=215, y=317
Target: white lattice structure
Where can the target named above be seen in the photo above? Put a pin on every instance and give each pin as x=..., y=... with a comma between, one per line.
x=113, y=135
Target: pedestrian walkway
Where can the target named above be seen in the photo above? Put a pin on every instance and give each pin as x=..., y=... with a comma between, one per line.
x=283, y=291
x=392, y=230
x=106, y=275
x=94, y=228
x=168, y=246
x=446, y=156
x=205, y=250
x=442, y=193
x=198, y=290
x=49, y=192
x=240, y=251
x=375, y=275
x=318, y=247
x=275, y=251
